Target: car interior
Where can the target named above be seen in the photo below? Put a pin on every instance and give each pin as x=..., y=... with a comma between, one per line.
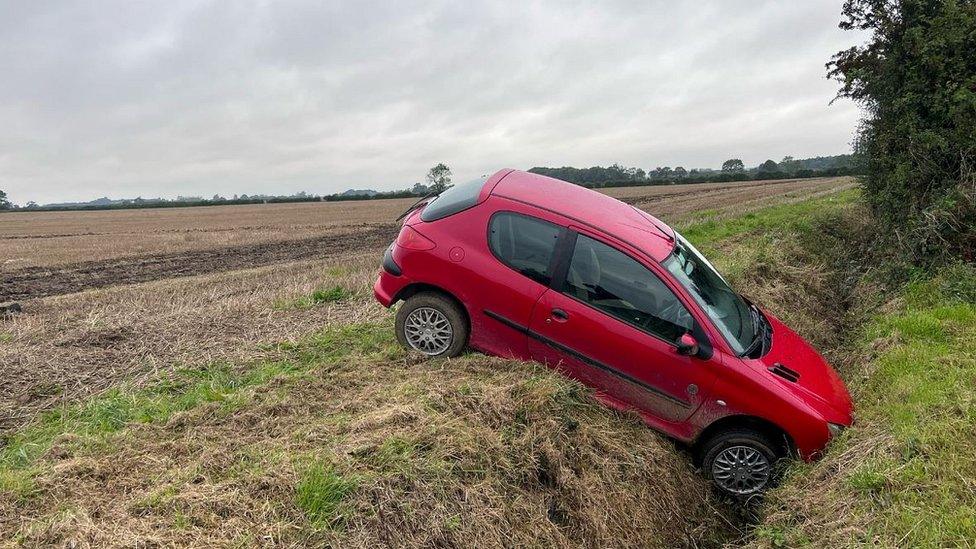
x=616, y=284
x=598, y=275
x=524, y=244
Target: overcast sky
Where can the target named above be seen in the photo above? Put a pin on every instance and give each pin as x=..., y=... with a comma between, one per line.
x=191, y=97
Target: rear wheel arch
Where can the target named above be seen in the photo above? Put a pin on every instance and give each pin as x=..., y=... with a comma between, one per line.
x=413, y=289
x=768, y=429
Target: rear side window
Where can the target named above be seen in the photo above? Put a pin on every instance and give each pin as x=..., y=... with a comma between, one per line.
x=524, y=243
x=456, y=199
x=609, y=280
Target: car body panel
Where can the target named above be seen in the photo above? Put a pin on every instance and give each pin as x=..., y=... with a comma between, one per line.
x=818, y=382
x=638, y=369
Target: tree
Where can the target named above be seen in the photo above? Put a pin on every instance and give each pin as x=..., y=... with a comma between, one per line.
x=680, y=172
x=4, y=203
x=733, y=165
x=31, y=205
x=790, y=165
x=916, y=80
x=419, y=189
x=634, y=174
x=439, y=178
x=769, y=166
x=660, y=173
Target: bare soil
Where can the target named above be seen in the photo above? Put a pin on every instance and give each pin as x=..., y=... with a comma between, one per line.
x=36, y=282
x=33, y=239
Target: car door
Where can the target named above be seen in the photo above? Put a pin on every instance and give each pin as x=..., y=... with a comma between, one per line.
x=611, y=322
x=524, y=246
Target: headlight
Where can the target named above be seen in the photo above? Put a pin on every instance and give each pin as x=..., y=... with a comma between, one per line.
x=835, y=429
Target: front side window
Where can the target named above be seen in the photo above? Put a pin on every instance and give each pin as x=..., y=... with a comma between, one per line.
x=613, y=282
x=524, y=243
x=728, y=311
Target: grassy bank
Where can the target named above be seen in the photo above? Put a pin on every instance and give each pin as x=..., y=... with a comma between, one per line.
x=342, y=439
x=905, y=476
x=792, y=259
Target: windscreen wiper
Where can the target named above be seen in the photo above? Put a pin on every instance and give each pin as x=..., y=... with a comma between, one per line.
x=757, y=338
x=415, y=205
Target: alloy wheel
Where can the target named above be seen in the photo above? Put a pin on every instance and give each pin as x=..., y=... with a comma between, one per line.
x=741, y=470
x=428, y=331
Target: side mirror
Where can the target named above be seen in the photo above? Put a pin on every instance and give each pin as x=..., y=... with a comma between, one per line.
x=687, y=345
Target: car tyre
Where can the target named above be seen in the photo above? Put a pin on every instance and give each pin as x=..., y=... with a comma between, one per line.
x=433, y=324
x=740, y=462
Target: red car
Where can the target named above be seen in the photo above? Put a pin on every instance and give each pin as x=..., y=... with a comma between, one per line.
x=529, y=267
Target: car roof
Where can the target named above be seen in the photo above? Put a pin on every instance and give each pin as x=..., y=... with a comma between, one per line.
x=599, y=211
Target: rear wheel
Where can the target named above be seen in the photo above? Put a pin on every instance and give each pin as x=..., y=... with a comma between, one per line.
x=740, y=462
x=432, y=324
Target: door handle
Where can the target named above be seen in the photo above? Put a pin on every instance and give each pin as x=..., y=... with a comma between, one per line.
x=559, y=314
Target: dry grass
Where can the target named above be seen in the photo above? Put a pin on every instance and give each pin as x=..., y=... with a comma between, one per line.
x=64, y=348
x=343, y=440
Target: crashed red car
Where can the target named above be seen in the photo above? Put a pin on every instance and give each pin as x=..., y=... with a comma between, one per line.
x=529, y=267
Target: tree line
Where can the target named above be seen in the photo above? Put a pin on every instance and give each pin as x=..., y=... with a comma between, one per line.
x=733, y=169
x=439, y=178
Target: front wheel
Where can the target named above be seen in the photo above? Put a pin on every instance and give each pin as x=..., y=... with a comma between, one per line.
x=432, y=324
x=739, y=462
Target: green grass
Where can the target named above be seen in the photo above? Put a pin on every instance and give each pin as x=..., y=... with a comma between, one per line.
x=904, y=474
x=320, y=494
x=800, y=217
x=923, y=391
x=374, y=341
x=100, y=417
x=911, y=479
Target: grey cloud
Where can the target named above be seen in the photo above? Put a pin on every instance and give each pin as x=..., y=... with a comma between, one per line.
x=189, y=97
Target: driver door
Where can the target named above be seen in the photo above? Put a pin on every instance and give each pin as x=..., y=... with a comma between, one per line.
x=613, y=324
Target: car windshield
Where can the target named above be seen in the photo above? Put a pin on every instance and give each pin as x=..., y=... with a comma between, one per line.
x=728, y=311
